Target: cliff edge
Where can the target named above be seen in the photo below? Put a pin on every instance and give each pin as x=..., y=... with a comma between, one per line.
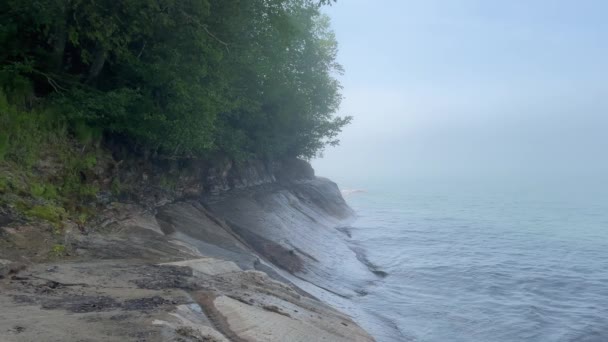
x=216, y=258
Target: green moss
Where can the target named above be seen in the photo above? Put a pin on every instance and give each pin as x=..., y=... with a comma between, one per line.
x=21, y=206
x=4, y=185
x=86, y=134
x=88, y=192
x=83, y=217
x=50, y=192
x=116, y=186
x=58, y=250
x=88, y=162
x=34, y=140
x=167, y=183
x=3, y=145
x=50, y=213
x=37, y=190
x=44, y=191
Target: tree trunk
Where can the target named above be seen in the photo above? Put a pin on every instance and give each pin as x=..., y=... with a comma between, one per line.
x=59, y=39
x=98, y=62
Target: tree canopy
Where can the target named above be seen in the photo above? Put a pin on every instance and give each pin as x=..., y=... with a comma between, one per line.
x=184, y=78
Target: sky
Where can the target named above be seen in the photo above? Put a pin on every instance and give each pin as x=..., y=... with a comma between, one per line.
x=471, y=89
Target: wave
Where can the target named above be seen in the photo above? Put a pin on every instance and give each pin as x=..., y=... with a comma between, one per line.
x=348, y=192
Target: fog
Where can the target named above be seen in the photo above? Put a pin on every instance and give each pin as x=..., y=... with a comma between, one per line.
x=466, y=89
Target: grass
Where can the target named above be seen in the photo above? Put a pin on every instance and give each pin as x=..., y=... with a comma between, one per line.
x=58, y=251
x=82, y=218
x=44, y=191
x=44, y=165
x=3, y=145
x=116, y=186
x=4, y=184
x=50, y=213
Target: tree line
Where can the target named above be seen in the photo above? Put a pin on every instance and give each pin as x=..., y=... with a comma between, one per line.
x=180, y=78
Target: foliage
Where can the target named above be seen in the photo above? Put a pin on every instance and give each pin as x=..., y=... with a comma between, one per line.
x=50, y=213
x=22, y=131
x=3, y=145
x=180, y=78
x=4, y=185
x=58, y=251
x=116, y=187
x=41, y=174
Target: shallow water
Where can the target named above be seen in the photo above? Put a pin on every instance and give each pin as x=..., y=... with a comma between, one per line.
x=484, y=263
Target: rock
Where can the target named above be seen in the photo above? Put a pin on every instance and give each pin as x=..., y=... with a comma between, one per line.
x=251, y=323
x=4, y=268
x=208, y=266
x=8, y=268
x=218, y=266
x=5, y=219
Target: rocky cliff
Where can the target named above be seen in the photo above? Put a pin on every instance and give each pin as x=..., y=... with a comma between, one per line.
x=210, y=253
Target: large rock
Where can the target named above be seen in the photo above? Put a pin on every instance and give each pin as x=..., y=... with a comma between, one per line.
x=193, y=300
x=219, y=265
x=293, y=228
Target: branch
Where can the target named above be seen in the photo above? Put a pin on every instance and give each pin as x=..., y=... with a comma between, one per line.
x=216, y=38
x=142, y=49
x=54, y=84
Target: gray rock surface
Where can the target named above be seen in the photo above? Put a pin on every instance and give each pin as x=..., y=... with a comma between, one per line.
x=214, y=268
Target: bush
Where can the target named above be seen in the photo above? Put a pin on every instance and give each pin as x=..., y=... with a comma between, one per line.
x=185, y=78
x=3, y=145
x=50, y=213
x=58, y=251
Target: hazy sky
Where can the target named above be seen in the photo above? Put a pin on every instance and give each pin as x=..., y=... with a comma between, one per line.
x=465, y=88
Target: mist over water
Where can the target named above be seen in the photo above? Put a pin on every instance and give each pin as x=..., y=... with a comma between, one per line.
x=479, y=148
x=465, y=90
x=493, y=263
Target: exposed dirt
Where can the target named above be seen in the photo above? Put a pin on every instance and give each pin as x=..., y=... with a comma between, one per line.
x=160, y=277
x=80, y=304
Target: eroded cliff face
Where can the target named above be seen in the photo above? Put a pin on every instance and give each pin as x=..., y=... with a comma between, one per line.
x=214, y=259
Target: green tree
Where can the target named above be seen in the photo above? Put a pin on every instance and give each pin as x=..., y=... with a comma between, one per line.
x=184, y=78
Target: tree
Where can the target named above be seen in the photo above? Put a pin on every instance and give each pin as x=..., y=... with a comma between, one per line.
x=184, y=78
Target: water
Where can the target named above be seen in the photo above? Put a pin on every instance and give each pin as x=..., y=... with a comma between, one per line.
x=485, y=263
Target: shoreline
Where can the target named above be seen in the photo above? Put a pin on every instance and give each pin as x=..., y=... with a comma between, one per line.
x=193, y=270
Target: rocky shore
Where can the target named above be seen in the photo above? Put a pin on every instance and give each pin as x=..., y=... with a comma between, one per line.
x=216, y=260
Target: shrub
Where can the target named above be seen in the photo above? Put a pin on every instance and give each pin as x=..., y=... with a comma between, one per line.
x=50, y=213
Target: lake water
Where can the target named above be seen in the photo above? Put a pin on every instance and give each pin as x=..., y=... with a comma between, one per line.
x=504, y=262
